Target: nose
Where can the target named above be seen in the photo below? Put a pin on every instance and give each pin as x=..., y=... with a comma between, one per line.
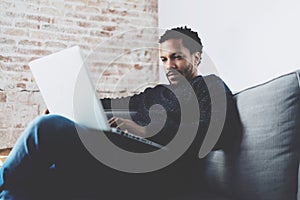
x=170, y=64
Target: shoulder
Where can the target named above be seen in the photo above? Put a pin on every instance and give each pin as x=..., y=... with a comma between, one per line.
x=154, y=90
x=209, y=81
x=149, y=92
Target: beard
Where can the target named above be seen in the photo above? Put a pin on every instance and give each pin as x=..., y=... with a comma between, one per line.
x=175, y=76
x=189, y=72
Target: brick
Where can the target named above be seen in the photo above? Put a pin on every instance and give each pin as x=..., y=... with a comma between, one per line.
x=127, y=5
x=56, y=44
x=25, y=97
x=120, y=20
x=15, y=68
x=42, y=2
x=30, y=43
x=10, y=82
x=76, y=31
x=32, y=8
x=76, y=16
x=5, y=109
x=21, y=85
x=61, y=5
x=69, y=38
x=100, y=33
x=146, y=23
x=13, y=14
x=39, y=18
x=6, y=5
x=3, y=22
x=5, y=136
x=50, y=28
x=87, y=9
x=137, y=66
x=26, y=24
x=5, y=58
x=20, y=59
x=92, y=40
x=14, y=135
x=64, y=30
x=112, y=11
x=53, y=11
x=102, y=3
x=5, y=41
x=3, y=97
x=82, y=2
x=39, y=52
x=99, y=18
x=109, y=28
x=15, y=32
x=23, y=114
x=42, y=35
x=26, y=67
x=84, y=24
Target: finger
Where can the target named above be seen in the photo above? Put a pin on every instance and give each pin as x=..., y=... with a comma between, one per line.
x=120, y=125
x=114, y=121
x=111, y=119
x=118, y=120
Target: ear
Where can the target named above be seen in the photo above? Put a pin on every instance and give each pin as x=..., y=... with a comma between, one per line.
x=196, y=58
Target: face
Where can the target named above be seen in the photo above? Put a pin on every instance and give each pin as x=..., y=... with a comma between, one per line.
x=178, y=62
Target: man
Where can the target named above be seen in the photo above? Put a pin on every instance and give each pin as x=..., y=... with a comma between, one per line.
x=50, y=161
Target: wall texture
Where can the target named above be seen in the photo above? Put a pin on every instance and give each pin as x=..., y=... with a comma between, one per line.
x=249, y=42
x=111, y=34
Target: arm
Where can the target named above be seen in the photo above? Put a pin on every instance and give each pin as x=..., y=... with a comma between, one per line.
x=163, y=125
x=131, y=103
x=230, y=125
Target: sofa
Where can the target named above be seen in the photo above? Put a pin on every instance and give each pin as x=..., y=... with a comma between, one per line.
x=263, y=164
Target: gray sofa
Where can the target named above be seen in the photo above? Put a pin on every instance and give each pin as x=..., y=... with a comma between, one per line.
x=264, y=162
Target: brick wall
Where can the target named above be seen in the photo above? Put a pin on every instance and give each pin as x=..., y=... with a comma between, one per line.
x=110, y=33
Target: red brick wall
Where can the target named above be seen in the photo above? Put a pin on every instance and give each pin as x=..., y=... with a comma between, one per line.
x=30, y=29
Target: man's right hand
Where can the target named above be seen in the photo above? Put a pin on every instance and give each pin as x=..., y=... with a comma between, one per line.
x=127, y=125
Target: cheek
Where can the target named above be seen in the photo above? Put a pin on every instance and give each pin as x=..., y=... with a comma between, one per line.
x=182, y=65
x=189, y=71
x=165, y=68
x=185, y=66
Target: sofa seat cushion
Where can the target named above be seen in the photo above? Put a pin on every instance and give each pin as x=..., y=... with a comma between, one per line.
x=263, y=163
x=201, y=196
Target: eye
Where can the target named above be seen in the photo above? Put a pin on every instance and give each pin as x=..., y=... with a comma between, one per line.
x=163, y=59
x=178, y=57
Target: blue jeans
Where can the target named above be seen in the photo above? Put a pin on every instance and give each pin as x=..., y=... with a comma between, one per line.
x=50, y=161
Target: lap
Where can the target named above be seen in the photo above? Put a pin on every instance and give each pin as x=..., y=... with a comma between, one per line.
x=77, y=173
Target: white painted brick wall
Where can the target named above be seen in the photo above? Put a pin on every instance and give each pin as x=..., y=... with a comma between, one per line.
x=30, y=29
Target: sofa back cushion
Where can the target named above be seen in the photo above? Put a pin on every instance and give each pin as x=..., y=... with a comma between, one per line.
x=263, y=163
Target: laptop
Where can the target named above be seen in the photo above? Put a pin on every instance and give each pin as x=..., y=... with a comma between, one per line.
x=67, y=90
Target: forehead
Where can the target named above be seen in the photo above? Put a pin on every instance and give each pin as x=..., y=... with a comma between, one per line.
x=173, y=46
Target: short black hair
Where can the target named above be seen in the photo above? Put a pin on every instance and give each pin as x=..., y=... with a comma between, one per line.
x=190, y=39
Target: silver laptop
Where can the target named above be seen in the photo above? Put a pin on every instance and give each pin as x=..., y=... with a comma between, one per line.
x=67, y=90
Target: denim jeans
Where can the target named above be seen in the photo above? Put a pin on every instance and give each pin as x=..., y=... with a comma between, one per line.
x=50, y=161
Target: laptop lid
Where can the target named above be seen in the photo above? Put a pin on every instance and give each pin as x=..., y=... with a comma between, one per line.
x=67, y=89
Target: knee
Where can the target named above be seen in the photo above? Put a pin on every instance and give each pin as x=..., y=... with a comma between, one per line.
x=52, y=124
x=51, y=120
